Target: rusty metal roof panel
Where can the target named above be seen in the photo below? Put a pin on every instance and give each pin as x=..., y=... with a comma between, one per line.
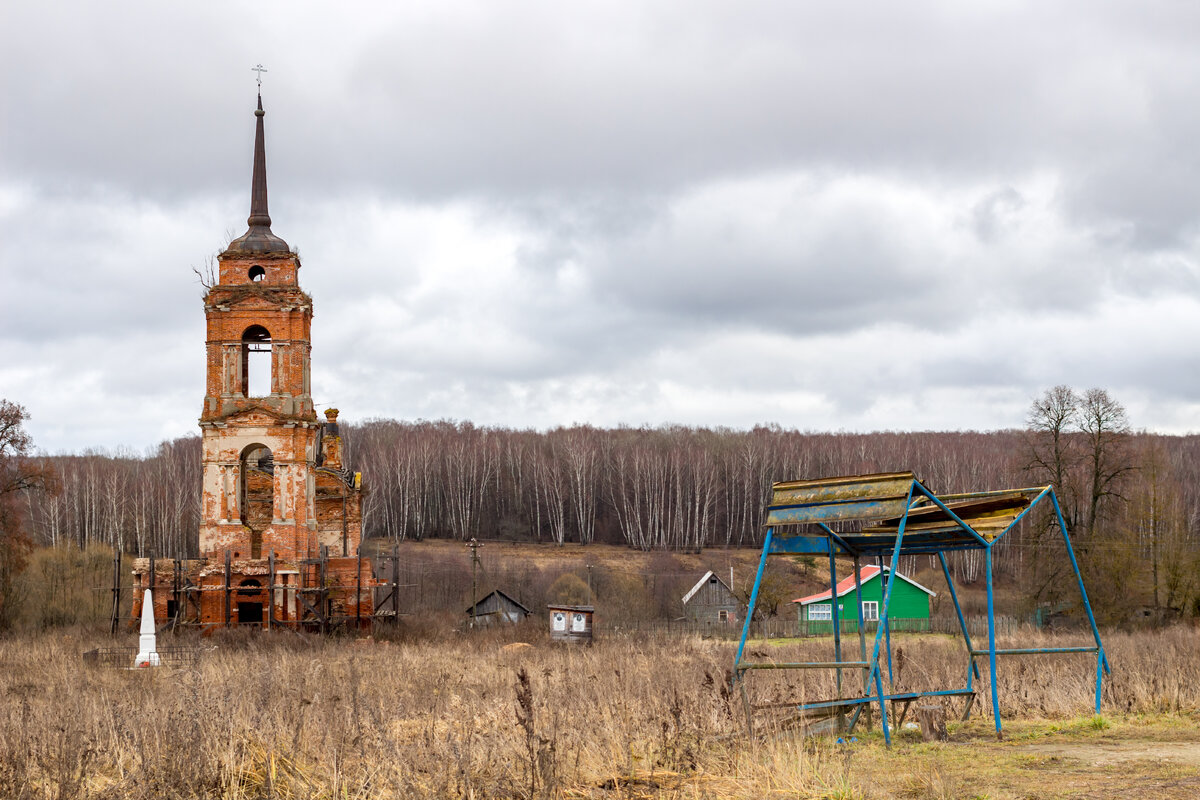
x=836, y=511
x=988, y=514
x=841, y=488
x=881, y=500
x=841, y=498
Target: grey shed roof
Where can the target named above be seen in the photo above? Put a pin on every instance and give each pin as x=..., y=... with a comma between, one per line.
x=498, y=593
x=710, y=574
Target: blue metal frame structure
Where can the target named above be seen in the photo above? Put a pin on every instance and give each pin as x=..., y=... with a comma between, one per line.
x=896, y=515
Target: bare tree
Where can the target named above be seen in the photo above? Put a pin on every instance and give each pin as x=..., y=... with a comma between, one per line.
x=1080, y=444
x=1052, y=452
x=1105, y=425
x=20, y=474
x=579, y=453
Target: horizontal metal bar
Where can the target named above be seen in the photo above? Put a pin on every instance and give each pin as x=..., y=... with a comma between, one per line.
x=745, y=665
x=837, y=540
x=858, y=701
x=851, y=701
x=1030, y=651
x=947, y=535
x=918, y=551
x=960, y=496
x=938, y=693
x=802, y=545
x=885, y=547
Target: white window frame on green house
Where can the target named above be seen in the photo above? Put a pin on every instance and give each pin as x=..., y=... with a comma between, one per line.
x=820, y=612
x=870, y=610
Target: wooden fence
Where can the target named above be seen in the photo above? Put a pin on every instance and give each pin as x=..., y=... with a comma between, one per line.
x=776, y=628
x=977, y=626
x=783, y=627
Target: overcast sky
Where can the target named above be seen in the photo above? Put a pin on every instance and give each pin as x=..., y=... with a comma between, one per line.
x=856, y=216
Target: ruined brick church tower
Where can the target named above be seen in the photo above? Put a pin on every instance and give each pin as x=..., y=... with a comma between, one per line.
x=262, y=442
x=280, y=516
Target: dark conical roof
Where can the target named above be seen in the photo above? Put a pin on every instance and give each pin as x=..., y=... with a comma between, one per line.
x=258, y=239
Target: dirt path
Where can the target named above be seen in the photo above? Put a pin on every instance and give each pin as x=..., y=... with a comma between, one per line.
x=1120, y=752
x=1123, y=758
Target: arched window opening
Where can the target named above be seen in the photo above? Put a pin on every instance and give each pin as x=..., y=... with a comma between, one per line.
x=257, y=273
x=257, y=493
x=256, y=362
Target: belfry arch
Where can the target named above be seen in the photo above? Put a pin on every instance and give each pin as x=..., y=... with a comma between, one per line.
x=257, y=364
x=256, y=493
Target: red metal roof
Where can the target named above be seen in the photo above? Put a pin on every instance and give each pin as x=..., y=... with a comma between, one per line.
x=845, y=585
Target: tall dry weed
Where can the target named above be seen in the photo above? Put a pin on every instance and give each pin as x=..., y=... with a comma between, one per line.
x=286, y=716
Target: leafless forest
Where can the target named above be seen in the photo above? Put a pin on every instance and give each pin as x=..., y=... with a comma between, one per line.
x=1132, y=500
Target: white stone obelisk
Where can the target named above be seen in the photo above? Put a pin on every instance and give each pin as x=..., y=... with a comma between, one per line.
x=147, y=644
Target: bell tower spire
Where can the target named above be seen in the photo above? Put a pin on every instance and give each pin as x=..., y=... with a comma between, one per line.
x=258, y=238
x=259, y=216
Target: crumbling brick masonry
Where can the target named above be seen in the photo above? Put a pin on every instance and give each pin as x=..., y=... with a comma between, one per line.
x=281, y=515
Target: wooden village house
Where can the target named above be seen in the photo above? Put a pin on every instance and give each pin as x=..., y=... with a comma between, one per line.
x=908, y=611
x=496, y=608
x=712, y=602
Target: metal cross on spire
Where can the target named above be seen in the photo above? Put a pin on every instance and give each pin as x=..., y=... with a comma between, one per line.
x=260, y=69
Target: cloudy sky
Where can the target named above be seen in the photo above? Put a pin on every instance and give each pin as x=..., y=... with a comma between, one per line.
x=855, y=216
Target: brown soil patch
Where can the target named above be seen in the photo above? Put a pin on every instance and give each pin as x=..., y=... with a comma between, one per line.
x=1107, y=753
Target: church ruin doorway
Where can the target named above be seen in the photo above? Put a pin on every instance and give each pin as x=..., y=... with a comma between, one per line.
x=250, y=602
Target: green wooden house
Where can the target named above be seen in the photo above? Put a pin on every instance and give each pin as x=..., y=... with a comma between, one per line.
x=909, y=610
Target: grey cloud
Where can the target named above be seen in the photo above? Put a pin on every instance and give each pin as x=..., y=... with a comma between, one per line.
x=992, y=215
x=80, y=265
x=508, y=102
x=664, y=187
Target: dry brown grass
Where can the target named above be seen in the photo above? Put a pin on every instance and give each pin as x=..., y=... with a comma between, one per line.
x=1154, y=671
x=292, y=717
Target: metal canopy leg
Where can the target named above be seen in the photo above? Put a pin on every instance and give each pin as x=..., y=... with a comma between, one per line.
x=745, y=630
x=883, y=619
x=762, y=563
x=737, y=661
x=992, y=643
x=862, y=636
x=887, y=596
x=862, y=640
x=836, y=618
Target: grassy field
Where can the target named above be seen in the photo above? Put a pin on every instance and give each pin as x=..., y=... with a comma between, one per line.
x=479, y=716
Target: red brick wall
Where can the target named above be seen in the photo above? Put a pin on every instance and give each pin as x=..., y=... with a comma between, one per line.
x=292, y=512
x=348, y=597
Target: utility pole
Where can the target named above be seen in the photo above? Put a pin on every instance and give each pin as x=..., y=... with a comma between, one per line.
x=116, y=609
x=589, y=569
x=474, y=545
